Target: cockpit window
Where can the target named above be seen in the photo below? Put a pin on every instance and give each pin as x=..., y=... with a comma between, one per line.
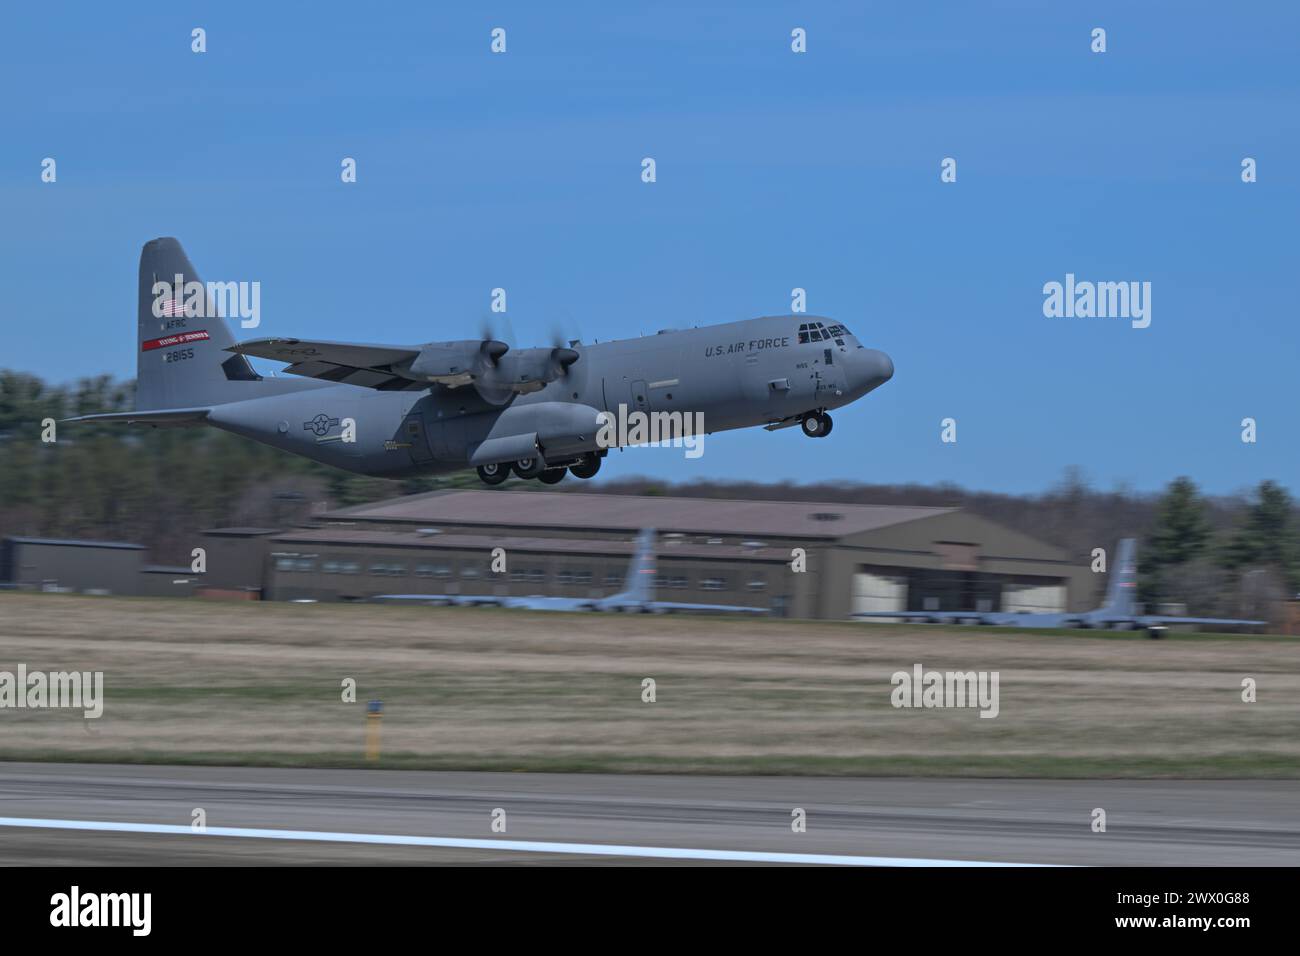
x=816, y=332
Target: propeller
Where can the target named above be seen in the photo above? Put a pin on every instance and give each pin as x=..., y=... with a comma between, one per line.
x=497, y=326
x=497, y=371
x=561, y=358
x=566, y=329
x=491, y=350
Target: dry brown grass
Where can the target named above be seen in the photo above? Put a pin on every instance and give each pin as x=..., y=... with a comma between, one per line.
x=260, y=683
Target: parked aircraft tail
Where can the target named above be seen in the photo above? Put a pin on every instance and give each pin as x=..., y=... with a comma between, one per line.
x=1121, y=592
x=639, y=585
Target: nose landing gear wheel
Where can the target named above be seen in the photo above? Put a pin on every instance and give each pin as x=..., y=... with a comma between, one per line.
x=493, y=474
x=529, y=467
x=817, y=424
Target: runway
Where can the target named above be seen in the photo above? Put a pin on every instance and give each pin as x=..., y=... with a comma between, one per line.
x=309, y=817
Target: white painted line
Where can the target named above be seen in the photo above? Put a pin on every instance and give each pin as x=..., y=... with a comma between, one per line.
x=516, y=846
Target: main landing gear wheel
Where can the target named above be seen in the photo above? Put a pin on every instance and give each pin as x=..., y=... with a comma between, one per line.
x=493, y=474
x=817, y=424
x=551, y=476
x=586, y=468
x=529, y=467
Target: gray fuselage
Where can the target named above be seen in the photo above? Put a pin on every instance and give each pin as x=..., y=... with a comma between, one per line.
x=735, y=375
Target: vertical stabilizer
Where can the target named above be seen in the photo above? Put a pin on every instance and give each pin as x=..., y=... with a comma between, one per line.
x=181, y=360
x=640, y=582
x=1121, y=592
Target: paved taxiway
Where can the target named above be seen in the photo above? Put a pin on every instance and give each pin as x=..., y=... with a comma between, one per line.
x=1012, y=821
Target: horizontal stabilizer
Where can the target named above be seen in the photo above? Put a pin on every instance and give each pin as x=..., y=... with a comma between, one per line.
x=158, y=417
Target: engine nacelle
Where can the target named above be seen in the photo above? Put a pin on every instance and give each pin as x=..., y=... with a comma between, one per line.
x=497, y=372
x=528, y=370
x=456, y=363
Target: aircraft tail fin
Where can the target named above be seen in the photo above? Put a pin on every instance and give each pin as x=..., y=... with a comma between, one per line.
x=640, y=582
x=182, y=336
x=1121, y=591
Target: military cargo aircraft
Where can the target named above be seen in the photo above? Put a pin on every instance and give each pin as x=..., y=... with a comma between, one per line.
x=637, y=596
x=1118, y=611
x=399, y=410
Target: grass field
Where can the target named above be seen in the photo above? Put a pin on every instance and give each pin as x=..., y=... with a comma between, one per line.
x=189, y=681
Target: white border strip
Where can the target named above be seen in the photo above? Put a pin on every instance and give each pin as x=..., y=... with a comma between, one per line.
x=516, y=846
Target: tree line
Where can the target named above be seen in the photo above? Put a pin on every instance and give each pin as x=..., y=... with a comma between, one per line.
x=1218, y=555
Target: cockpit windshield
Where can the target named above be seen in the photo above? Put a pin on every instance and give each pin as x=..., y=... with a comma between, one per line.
x=817, y=332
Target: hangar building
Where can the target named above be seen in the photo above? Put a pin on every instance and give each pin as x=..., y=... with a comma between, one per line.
x=89, y=567
x=858, y=557
x=109, y=566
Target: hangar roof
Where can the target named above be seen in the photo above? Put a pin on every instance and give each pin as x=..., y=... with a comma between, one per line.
x=242, y=532
x=539, y=509
x=77, y=543
x=324, y=537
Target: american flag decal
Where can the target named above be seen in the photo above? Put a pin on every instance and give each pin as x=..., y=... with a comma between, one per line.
x=171, y=307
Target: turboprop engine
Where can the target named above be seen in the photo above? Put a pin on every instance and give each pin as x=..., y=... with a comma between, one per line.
x=496, y=371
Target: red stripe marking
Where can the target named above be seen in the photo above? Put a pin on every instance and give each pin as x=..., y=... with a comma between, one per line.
x=183, y=338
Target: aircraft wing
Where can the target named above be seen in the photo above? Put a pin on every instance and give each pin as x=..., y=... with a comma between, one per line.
x=484, y=600
x=347, y=363
x=928, y=615
x=718, y=608
x=158, y=418
x=448, y=599
x=916, y=614
x=1147, y=620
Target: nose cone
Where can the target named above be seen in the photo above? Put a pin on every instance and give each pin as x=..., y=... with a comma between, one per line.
x=884, y=366
x=875, y=368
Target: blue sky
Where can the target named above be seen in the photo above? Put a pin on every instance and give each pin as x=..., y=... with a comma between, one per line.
x=775, y=170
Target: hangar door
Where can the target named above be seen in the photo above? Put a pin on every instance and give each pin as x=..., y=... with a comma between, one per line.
x=1043, y=598
x=874, y=591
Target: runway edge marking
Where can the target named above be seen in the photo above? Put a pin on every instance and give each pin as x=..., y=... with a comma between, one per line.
x=517, y=846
